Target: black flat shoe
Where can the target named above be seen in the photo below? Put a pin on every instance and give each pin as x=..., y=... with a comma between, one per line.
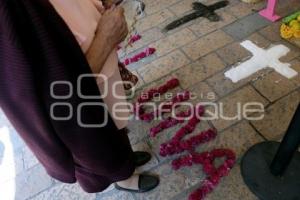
x=140, y=158
x=145, y=184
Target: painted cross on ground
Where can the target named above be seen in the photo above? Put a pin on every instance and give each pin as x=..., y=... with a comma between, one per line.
x=261, y=59
x=201, y=10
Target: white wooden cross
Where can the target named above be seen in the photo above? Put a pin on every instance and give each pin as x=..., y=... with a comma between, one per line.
x=261, y=59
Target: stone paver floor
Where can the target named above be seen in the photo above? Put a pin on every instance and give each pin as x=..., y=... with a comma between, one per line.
x=197, y=54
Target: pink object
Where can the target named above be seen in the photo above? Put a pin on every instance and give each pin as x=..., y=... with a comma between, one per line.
x=136, y=58
x=214, y=174
x=269, y=12
x=170, y=122
x=177, y=144
x=131, y=40
x=180, y=97
x=134, y=39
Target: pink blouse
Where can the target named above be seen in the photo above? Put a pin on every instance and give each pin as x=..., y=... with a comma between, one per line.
x=82, y=17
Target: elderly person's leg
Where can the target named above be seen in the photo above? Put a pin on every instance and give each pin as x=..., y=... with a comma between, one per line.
x=128, y=78
x=115, y=162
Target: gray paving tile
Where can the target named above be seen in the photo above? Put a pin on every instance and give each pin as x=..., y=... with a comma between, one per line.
x=172, y=182
x=29, y=158
x=246, y=26
x=14, y=138
x=64, y=192
x=11, y=165
x=278, y=117
x=1, y=151
x=231, y=187
x=115, y=195
x=27, y=184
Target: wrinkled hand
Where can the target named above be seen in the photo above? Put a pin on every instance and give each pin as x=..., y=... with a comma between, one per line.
x=112, y=26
